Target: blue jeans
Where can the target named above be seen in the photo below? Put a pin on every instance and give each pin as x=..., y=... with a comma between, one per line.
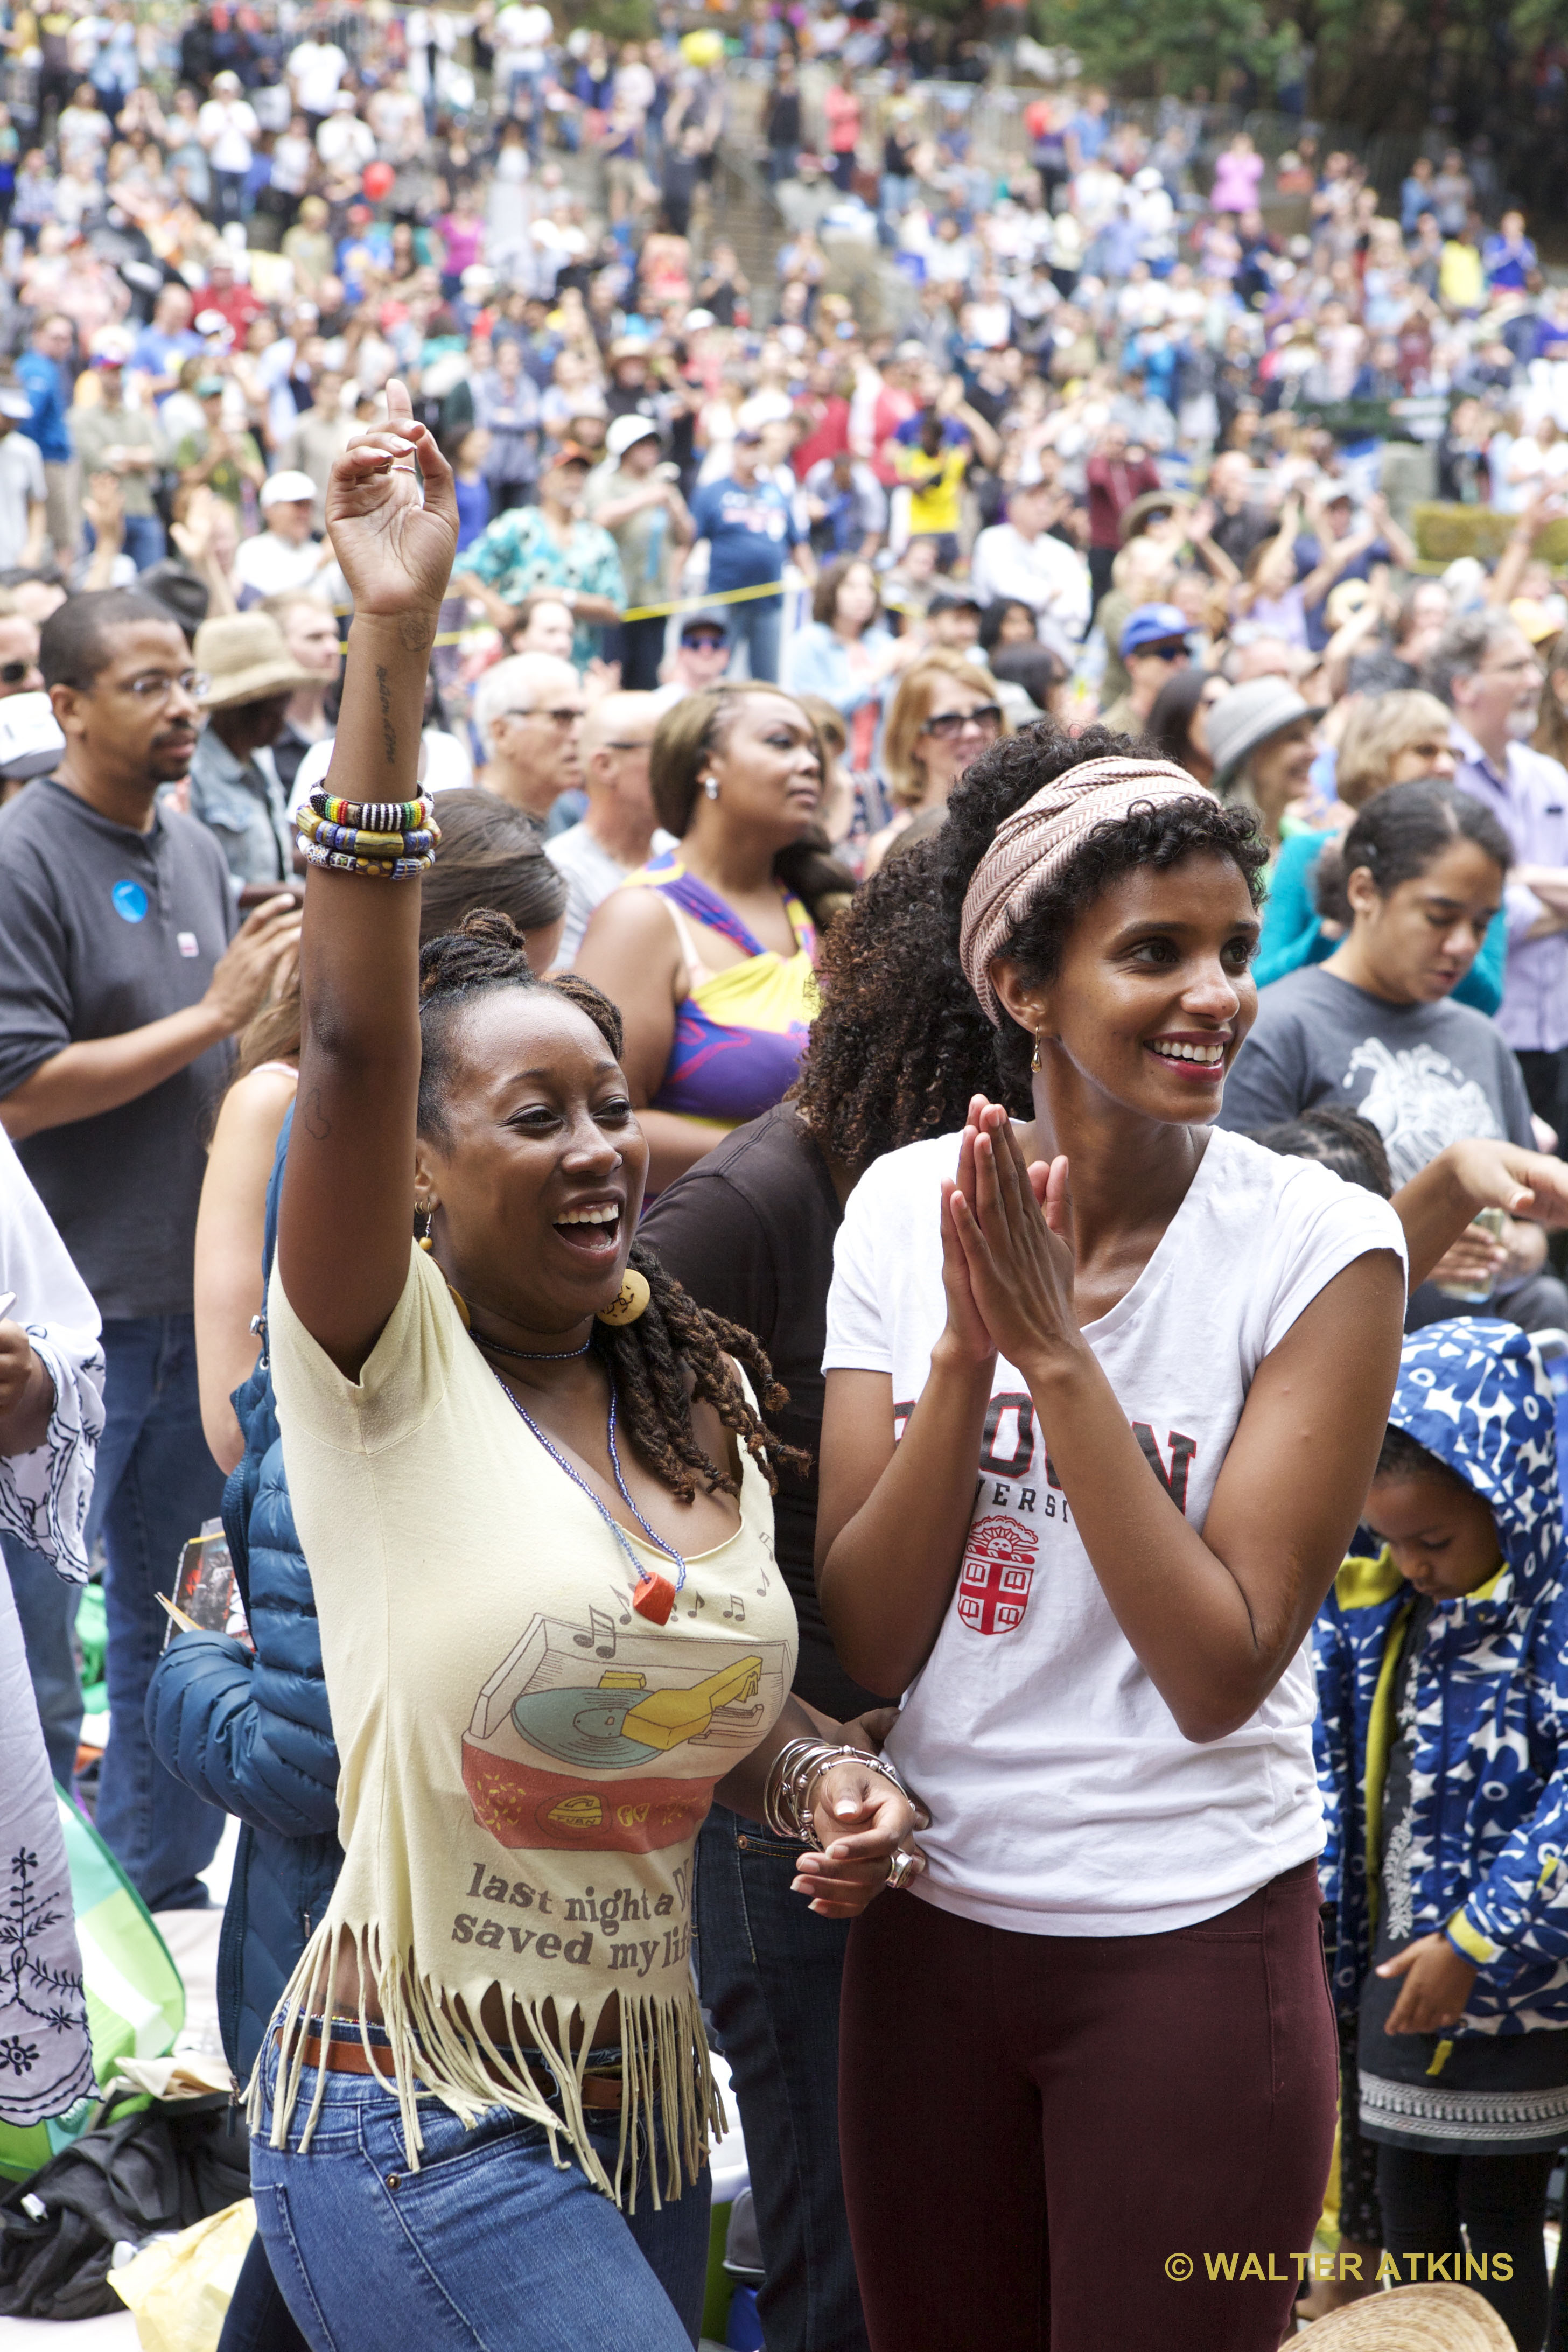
x=144, y=541
x=770, y=1972
x=46, y=1607
x=487, y=2248
x=157, y=1484
x=756, y=623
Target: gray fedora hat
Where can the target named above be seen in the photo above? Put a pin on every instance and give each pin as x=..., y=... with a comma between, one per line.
x=1246, y=717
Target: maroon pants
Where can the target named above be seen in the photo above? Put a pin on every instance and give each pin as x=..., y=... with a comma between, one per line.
x=1079, y=2142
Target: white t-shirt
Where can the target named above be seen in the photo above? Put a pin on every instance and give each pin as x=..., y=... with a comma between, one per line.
x=590, y=874
x=228, y=131
x=1064, y=1799
x=316, y=68
x=273, y=566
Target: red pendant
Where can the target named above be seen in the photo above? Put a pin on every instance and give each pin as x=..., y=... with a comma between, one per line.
x=653, y=1598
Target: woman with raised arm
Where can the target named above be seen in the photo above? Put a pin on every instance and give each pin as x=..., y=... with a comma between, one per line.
x=533, y=1486
x=1139, y=1368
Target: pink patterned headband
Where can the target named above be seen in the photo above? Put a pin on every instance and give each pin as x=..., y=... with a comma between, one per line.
x=1040, y=840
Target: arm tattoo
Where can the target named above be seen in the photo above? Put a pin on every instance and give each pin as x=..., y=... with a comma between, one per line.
x=317, y=1128
x=388, y=731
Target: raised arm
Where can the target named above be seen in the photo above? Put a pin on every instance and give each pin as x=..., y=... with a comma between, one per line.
x=346, y=1218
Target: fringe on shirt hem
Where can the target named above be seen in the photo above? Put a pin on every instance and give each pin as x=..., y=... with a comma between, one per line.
x=667, y=2079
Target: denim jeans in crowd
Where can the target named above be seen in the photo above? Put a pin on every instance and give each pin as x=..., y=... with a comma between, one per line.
x=229, y=194
x=770, y=1970
x=46, y=1607
x=488, y=2247
x=156, y=1483
x=757, y=622
x=145, y=543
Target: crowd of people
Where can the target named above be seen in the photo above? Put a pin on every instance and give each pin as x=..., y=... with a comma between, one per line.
x=806, y=1035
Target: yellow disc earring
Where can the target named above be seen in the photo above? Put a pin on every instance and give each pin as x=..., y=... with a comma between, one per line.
x=629, y=1302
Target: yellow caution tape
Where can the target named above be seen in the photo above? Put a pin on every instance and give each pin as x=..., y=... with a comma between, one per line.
x=638, y=612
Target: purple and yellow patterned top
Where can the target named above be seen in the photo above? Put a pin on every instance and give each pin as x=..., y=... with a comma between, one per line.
x=741, y=1033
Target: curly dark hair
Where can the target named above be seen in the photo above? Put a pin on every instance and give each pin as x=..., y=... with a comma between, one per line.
x=673, y=1341
x=901, y=1044
x=1000, y=779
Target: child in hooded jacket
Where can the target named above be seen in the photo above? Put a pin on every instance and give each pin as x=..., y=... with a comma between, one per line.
x=1442, y=1745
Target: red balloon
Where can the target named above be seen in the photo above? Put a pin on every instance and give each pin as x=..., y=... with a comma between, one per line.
x=378, y=179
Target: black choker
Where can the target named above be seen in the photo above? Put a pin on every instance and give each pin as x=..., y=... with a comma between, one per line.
x=534, y=1355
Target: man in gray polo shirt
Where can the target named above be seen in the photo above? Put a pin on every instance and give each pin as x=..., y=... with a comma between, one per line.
x=119, y=988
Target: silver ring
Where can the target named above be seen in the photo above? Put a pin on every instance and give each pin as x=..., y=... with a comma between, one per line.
x=901, y=1866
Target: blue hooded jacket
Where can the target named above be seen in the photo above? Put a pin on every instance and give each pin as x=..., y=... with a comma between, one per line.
x=1490, y=1784
x=255, y=1735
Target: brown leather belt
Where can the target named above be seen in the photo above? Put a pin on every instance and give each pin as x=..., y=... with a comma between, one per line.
x=345, y=2055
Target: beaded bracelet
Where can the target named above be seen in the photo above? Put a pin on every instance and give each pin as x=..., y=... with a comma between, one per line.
x=365, y=844
x=395, y=869
x=374, y=816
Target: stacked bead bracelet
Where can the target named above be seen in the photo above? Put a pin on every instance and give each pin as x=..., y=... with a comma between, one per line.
x=395, y=839
x=796, y=1770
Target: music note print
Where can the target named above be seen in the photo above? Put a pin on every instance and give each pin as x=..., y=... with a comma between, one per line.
x=601, y=1636
x=736, y=1611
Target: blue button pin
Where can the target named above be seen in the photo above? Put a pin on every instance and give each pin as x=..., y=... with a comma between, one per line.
x=130, y=901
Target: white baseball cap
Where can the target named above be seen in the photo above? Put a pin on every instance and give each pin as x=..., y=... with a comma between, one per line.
x=283, y=489
x=626, y=432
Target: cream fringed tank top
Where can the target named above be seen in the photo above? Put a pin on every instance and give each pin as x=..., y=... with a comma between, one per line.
x=525, y=1762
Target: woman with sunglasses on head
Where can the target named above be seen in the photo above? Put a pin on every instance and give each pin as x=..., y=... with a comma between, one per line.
x=944, y=714
x=712, y=948
x=482, y=2112
x=1104, y=1393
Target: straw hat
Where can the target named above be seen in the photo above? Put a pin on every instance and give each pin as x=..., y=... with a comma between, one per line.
x=247, y=659
x=1414, y=2319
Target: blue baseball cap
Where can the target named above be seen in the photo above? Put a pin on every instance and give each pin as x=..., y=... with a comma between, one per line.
x=1154, y=625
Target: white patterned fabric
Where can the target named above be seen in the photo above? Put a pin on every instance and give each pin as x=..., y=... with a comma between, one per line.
x=44, y=1495
x=45, y=2058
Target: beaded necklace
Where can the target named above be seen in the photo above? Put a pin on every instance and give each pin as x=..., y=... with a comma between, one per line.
x=655, y=1594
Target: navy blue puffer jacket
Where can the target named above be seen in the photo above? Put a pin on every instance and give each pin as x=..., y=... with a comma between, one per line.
x=254, y=1735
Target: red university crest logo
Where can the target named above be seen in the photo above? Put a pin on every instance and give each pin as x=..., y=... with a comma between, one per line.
x=998, y=1569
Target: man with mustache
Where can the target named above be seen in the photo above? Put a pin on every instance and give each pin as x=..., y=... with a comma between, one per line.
x=121, y=981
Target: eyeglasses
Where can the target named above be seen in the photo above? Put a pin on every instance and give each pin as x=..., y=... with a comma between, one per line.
x=556, y=718
x=706, y=640
x=150, y=687
x=1174, y=649
x=13, y=673
x=948, y=725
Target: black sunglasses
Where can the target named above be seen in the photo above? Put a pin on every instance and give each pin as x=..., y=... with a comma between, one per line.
x=13, y=673
x=1174, y=649
x=950, y=724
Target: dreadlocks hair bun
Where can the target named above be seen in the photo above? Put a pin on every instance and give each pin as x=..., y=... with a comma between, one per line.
x=676, y=1350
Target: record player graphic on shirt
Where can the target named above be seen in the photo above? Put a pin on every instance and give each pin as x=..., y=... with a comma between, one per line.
x=605, y=1738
